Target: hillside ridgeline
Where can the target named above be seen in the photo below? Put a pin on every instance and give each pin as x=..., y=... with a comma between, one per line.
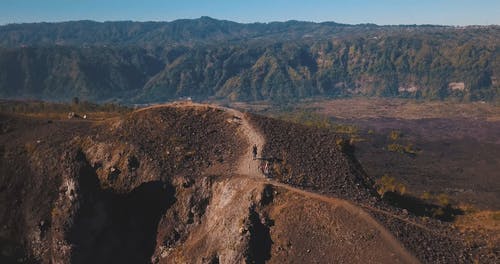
x=139, y=62
x=170, y=184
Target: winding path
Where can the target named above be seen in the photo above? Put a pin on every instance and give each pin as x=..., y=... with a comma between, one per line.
x=247, y=165
x=248, y=168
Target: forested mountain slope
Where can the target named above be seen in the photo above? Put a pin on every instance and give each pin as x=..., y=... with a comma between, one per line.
x=201, y=58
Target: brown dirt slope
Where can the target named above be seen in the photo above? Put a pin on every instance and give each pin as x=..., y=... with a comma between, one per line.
x=308, y=159
x=177, y=184
x=314, y=159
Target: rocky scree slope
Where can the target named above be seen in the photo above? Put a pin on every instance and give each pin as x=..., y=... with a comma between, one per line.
x=161, y=185
x=320, y=161
x=314, y=159
x=157, y=185
x=87, y=190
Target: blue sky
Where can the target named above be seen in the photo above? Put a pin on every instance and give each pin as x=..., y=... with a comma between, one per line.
x=449, y=12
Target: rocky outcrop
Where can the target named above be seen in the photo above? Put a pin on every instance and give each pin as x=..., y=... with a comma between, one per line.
x=170, y=184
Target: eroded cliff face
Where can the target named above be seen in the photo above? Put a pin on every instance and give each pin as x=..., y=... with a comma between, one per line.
x=102, y=192
x=191, y=220
x=178, y=184
x=163, y=184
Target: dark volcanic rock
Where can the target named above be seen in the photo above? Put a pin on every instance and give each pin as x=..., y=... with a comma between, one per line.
x=314, y=159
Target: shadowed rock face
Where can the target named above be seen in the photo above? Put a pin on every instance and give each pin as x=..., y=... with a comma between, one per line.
x=260, y=239
x=97, y=193
x=118, y=228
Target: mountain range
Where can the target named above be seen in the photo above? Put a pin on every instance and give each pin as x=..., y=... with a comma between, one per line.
x=205, y=58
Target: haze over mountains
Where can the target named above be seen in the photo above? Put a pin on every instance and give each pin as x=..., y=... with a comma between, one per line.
x=136, y=62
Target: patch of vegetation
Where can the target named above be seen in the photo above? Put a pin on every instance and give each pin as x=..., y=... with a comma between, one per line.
x=408, y=149
x=424, y=208
x=442, y=201
x=439, y=198
x=305, y=117
x=389, y=184
x=346, y=129
x=483, y=221
x=395, y=135
x=61, y=110
x=436, y=206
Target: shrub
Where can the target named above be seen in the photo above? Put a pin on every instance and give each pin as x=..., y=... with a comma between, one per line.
x=389, y=184
x=395, y=135
x=408, y=149
x=346, y=129
x=308, y=118
x=443, y=199
x=426, y=196
x=341, y=143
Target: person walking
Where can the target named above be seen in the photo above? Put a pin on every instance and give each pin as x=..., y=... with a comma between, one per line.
x=254, y=152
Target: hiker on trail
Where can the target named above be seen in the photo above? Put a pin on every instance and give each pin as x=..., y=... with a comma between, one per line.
x=266, y=169
x=254, y=151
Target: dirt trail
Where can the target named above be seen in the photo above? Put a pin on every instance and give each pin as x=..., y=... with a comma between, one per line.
x=247, y=165
x=355, y=210
x=247, y=168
